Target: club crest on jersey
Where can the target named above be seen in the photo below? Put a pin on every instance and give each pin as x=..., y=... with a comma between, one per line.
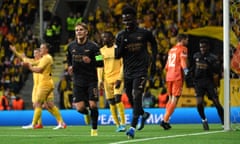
x=86, y=50
x=139, y=38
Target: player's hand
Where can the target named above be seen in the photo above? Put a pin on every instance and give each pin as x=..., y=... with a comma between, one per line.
x=70, y=70
x=25, y=64
x=12, y=48
x=118, y=84
x=185, y=71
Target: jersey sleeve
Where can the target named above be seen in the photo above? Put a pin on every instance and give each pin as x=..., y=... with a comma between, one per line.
x=183, y=57
x=69, y=55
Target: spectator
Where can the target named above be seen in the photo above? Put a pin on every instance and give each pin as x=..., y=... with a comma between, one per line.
x=18, y=103
x=70, y=23
x=149, y=100
x=47, y=16
x=163, y=98
x=4, y=102
x=125, y=101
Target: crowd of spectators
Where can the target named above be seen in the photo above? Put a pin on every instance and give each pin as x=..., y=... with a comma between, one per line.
x=16, y=20
x=159, y=16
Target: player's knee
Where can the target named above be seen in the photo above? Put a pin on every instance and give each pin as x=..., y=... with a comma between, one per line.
x=118, y=98
x=111, y=101
x=137, y=94
x=81, y=110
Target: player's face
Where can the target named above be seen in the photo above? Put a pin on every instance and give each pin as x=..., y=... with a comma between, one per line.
x=43, y=49
x=80, y=32
x=185, y=42
x=129, y=21
x=203, y=48
x=107, y=39
x=37, y=54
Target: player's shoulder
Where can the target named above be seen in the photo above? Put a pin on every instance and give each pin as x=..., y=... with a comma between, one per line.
x=70, y=44
x=212, y=55
x=120, y=33
x=92, y=43
x=143, y=31
x=197, y=55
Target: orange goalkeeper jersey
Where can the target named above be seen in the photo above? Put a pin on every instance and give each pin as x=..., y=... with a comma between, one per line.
x=176, y=62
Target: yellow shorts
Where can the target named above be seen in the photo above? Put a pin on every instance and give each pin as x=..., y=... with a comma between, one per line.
x=44, y=93
x=34, y=96
x=111, y=91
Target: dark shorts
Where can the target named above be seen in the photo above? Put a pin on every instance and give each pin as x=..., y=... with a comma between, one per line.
x=135, y=84
x=206, y=87
x=85, y=93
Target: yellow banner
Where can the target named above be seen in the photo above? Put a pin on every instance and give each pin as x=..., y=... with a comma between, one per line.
x=234, y=92
x=213, y=32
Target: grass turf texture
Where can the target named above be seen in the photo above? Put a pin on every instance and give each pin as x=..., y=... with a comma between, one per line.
x=151, y=134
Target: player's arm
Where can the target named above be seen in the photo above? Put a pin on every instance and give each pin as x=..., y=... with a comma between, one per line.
x=118, y=51
x=214, y=63
x=35, y=69
x=183, y=60
x=13, y=49
x=120, y=76
x=154, y=50
x=100, y=76
x=40, y=68
x=69, y=60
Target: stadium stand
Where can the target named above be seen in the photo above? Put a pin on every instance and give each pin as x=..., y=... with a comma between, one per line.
x=20, y=24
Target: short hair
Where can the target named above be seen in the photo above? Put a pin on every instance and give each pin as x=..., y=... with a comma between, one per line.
x=109, y=33
x=37, y=49
x=181, y=37
x=84, y=25
x=129, y=10
x=47, y=45
x=204, y=41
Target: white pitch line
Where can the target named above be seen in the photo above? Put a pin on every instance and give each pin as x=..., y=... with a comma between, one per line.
x=60, y=135
x=165, y=137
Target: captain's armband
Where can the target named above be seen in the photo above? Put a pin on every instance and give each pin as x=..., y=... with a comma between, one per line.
x=98, y=57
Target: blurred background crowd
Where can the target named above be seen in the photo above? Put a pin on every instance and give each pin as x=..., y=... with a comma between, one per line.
x=19, y=25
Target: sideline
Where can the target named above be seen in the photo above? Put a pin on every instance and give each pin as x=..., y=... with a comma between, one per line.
x=165, y=137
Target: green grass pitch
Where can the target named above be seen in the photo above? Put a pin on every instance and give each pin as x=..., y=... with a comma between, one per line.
x=151, y=134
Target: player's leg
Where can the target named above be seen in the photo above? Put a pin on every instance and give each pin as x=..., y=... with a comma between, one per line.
x=128, y=89
x=109, y=93
x=121, y=112
x=200, y=92
x=176, y=92
x=40, y=96
x=165, y=122
x=138, y=85
x=54, y=110
x=93, y=99
x=212, y=95
x=120, y=108
x=80, y=100
x=39, y=124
